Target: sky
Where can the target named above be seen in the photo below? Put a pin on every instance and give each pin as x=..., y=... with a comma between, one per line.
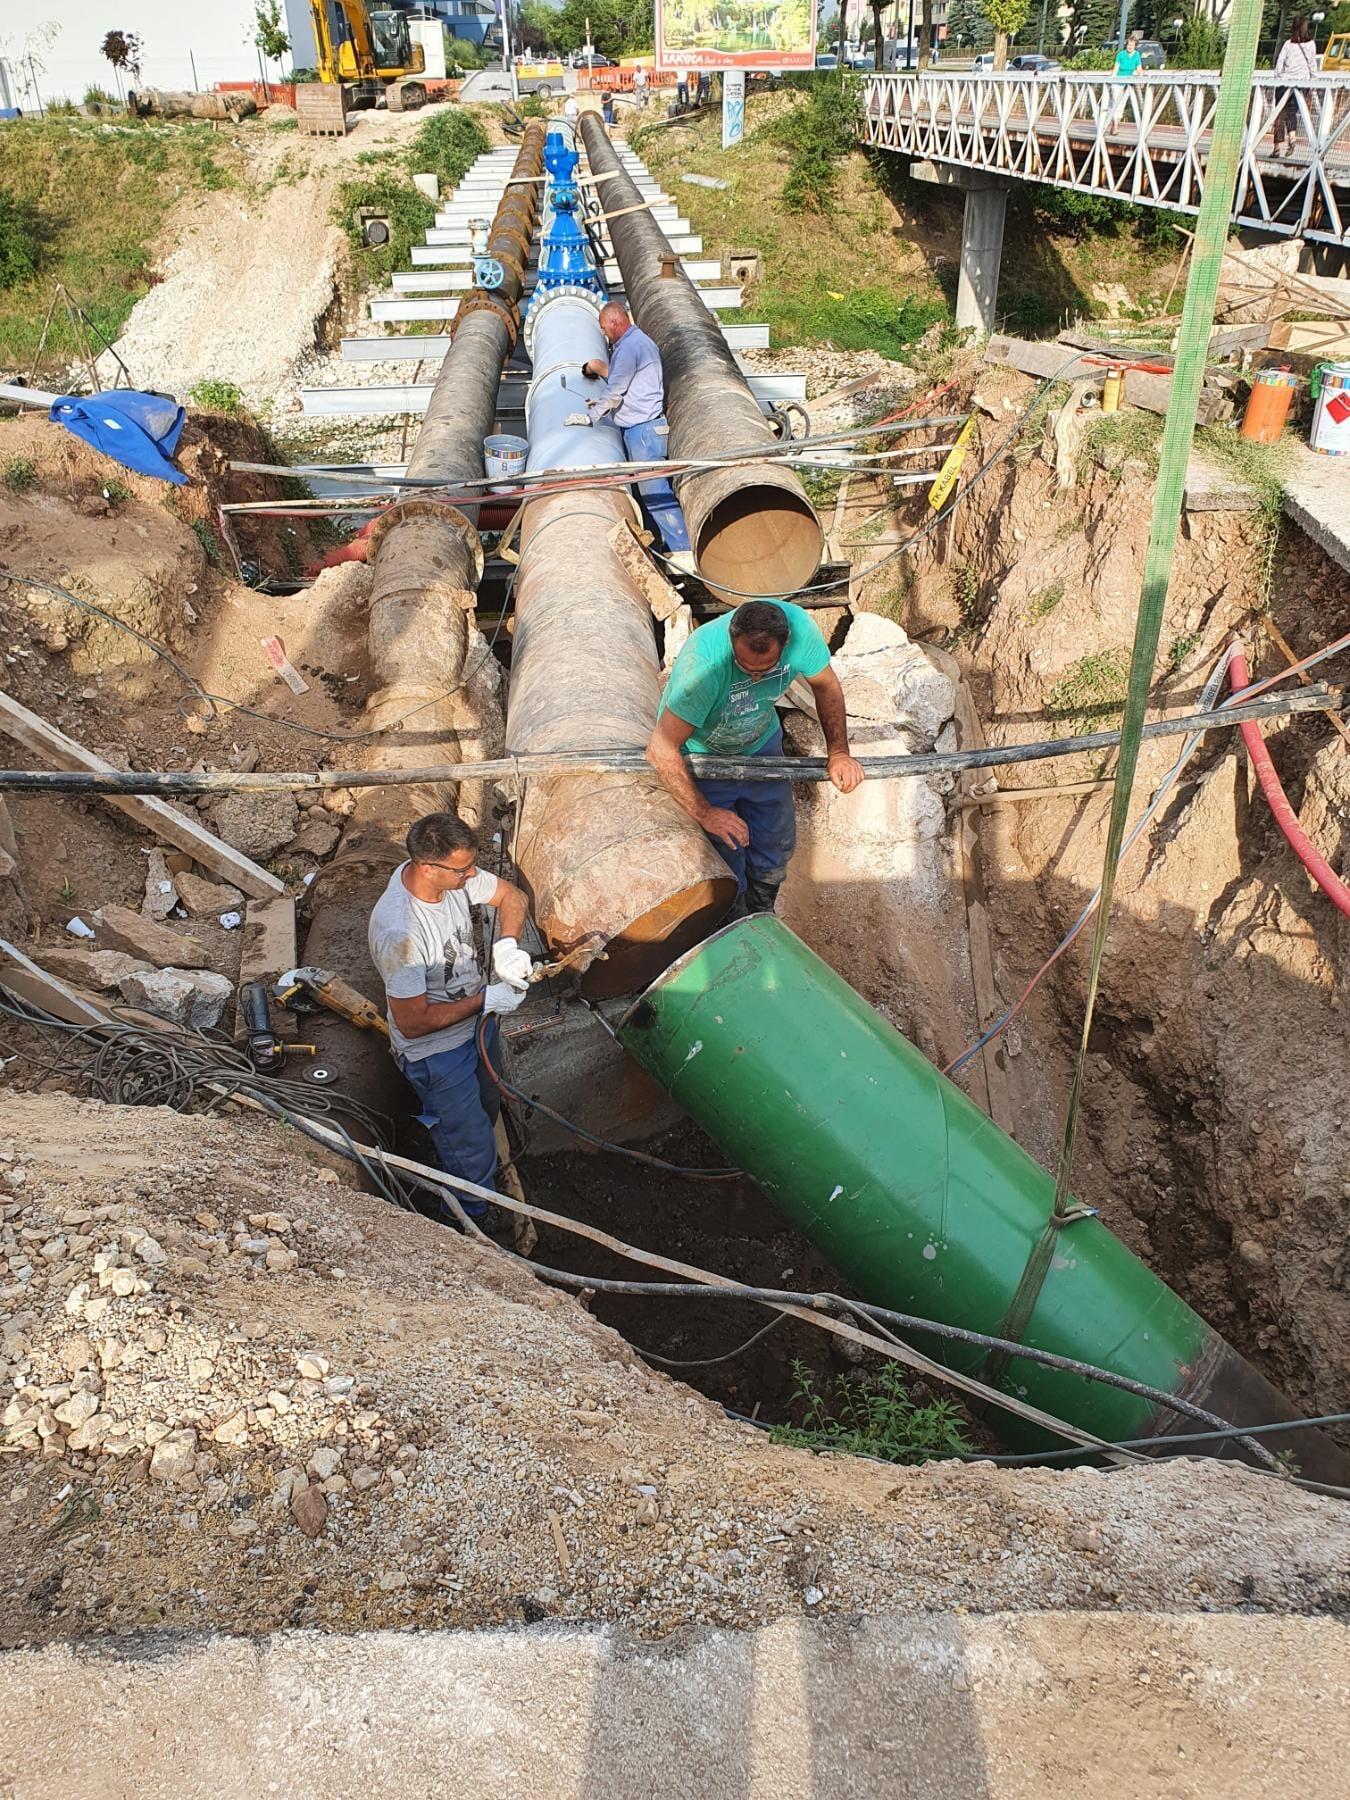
x=218, y=33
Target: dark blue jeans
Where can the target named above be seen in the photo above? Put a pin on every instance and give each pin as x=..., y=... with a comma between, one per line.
x=459, y=1104
x=766, y=807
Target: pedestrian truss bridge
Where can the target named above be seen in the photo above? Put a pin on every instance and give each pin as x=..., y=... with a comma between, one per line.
x=1145, y=140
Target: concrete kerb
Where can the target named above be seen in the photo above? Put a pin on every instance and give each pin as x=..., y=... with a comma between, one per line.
x=1009, y=1706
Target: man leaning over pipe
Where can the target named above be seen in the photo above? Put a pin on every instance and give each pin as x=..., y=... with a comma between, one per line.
x=635, y=395
x=421, y=940
x=720, y=699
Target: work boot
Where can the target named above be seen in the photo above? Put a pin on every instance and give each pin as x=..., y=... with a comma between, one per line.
x=761, y=896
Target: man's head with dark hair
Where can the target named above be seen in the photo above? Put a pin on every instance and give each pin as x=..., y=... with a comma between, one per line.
x=444, y=850
x=759, y=635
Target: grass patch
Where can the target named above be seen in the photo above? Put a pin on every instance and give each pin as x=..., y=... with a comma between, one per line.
x=1182, y=649
x=866, y=318
x=872, y=1416
x=966, y=591
x=81, y=203
x=1260, y=467
x=116, y=492
x=214, y=395
x=1044, y=601
x=20, y=474
x=447, y=145
x=1114, y=439
x=1091, y=695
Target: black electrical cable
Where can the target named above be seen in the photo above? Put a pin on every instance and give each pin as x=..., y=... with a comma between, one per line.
x=706, y=1362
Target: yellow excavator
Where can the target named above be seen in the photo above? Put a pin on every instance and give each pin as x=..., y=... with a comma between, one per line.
x=371, y=48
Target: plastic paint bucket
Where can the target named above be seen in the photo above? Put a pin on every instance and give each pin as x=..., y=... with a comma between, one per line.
x=1268, y=407
x=504, y=455
x=1331, y=415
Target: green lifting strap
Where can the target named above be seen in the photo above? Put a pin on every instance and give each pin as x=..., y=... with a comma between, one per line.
x=1222, y=168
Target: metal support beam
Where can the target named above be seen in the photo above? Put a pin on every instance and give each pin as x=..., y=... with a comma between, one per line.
x=423, y=346
x=411, y=307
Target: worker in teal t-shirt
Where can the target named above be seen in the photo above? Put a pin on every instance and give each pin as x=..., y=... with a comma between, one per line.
x=720, y=699
x=1128, y=59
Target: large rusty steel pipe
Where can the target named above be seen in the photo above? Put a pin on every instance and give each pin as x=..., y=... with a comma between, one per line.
x=605, y=857
x=426, y=563
x=752, y=528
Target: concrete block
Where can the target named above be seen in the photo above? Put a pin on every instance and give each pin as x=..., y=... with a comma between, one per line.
x=119, y=928
x=195, y=998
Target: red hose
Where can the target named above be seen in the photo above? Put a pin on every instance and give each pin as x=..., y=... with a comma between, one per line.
x=1285, y=817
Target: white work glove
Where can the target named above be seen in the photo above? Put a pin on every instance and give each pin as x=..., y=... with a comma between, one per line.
x=501, y=997
x=579, y=419
x=511, y=963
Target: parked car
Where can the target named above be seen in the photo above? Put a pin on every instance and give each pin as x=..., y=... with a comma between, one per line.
x=984, y=64
x=1032, y=64
x=827, y=61
x=1151, y=53
x=595, y=59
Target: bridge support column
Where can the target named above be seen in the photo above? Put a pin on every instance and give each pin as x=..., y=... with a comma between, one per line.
x=981, y=239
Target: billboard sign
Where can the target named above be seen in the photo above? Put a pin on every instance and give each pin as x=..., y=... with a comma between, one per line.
x=735, y=34
x=733, y=108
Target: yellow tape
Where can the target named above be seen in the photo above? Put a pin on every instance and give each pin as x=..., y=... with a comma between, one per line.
x=940, y=491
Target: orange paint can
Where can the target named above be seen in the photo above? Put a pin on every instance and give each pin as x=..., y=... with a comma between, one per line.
x=1268, y=407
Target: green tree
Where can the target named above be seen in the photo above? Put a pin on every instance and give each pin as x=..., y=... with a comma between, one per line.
x=1200, y=44
x=968, y=24
x=1007, y=18
x=123, y=50
x=1092, y=22
x=269, y=34
x=618, y=27
x=537, y=26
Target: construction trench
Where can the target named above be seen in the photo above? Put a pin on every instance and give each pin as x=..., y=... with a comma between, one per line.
x=806, y=1052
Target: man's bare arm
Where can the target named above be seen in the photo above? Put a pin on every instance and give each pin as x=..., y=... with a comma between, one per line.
x=665, y=754
x=846, y=772
x=512, y=909
x=418, y=1017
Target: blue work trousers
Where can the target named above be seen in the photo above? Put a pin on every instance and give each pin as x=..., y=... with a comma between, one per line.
x=459, y=1104
x=766, y=807
x=650, y=442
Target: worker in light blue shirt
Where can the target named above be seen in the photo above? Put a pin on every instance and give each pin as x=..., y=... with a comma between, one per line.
x=635, y=396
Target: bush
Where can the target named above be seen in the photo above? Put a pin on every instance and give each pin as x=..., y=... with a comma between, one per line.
x=97, y=96
x=214, y=395
x=448, y=145
x=464, y=54
x=19, y=474
x=872, y=1416
x=817, y=133
x=409, y=213
x=18, y=242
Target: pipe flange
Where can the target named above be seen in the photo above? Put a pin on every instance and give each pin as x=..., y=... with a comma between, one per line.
x=481, y=299
x=427, y=506
x=545, y=296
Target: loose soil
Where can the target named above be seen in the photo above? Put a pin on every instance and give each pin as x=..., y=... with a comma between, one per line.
x=244, y=1392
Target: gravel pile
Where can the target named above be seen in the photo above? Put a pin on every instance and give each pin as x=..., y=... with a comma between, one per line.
x=240, y=1395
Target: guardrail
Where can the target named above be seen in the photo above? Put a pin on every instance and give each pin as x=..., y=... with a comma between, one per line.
x=1144, y=140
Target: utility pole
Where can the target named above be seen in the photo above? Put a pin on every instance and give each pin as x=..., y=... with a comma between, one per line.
x=909, y=41
x=32, y=76
x=506, y=49
x=1124, y=23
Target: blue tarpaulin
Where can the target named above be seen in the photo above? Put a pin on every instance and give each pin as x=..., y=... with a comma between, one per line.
x=140, y=431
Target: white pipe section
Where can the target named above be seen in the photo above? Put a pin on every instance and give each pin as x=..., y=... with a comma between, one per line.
x=563, y=333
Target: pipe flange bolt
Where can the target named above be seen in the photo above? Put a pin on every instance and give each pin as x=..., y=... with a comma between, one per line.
x=546, y=296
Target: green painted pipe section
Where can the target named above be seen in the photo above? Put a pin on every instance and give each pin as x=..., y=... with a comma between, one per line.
x=919, y=1200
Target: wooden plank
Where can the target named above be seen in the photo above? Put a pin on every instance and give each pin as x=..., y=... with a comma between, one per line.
x=155, y=816
x=1313, y=337
x=268, y=950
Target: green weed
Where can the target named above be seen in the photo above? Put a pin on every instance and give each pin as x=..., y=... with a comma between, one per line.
x=872, y=1416
x=817, y=133
x=209, y=542
x=1182, y=648
x=1044, y=601
x=1260, y=467
x=291, y=124
x=966, y=591
x=409, y=213
x=447, y=145
x=1113, y=439
x=18, y=242
x=215, y=395
x=1091, y=695
x=116, y=492
x=20, y=474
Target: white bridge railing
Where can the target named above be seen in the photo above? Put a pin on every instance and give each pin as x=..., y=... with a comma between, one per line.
x=1144, y=140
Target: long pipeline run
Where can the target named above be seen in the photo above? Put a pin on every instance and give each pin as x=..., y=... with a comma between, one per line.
x=608, y=858
x=752, y=529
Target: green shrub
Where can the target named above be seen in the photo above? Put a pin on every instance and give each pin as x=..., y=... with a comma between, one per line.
x=409, y=213
x=817, y=133
x=98, y=96
x=448, y=145
x=867, y=318
x=872, y=1416
x=1091, y=695
x=116, y=492
x=18, y=242
x=463, y=53
x=20, y=474
x=214, y=395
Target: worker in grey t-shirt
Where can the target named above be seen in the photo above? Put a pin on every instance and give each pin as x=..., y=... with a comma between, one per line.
x=422, y=942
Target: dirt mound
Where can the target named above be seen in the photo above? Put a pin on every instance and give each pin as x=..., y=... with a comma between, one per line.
x=246, y=1396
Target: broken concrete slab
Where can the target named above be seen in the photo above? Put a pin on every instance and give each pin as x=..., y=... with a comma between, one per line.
x=97, y=969
x=889, y=680
x=204, y=899
x=316, y=837
x=121, y=929
x=195, y=998
x=258, y=824
x=161, y=895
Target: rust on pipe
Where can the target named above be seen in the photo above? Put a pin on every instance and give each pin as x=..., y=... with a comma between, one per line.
x=606, y=854
x=752, y=528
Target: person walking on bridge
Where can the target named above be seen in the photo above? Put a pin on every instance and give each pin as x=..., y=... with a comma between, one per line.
x=720, y=700
x=1128, y=59
x=1296, y=63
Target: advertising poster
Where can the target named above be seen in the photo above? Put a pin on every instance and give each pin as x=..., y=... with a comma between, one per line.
x=735, y=34
x=733, y=107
